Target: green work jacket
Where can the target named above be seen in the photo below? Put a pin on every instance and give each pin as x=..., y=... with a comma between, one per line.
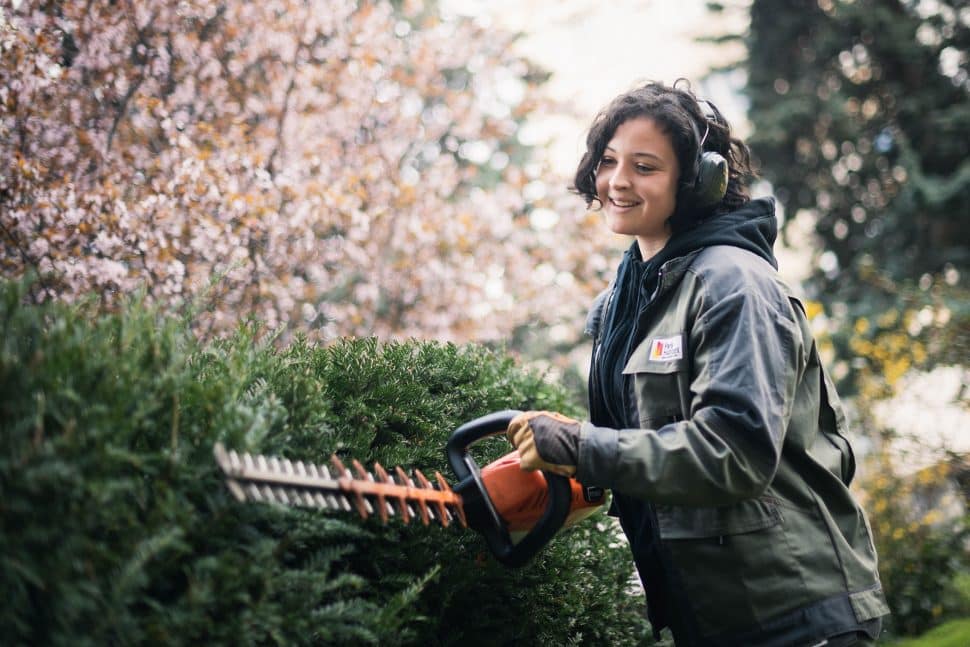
x=740, y=458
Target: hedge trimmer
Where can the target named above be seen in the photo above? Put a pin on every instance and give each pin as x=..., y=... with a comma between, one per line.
x=501, y=501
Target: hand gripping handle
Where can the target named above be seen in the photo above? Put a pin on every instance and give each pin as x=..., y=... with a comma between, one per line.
x=480, y=511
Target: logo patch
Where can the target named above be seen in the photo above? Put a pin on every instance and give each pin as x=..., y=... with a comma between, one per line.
x=666, y=349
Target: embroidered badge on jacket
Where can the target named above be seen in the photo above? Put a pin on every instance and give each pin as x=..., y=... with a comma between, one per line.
x=666, y=349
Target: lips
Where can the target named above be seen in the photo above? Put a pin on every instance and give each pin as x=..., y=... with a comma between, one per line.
x=623, y=204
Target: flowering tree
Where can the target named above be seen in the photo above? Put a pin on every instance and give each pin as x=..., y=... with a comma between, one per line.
x=345, y=167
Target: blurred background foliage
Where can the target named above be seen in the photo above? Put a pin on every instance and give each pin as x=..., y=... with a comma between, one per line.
x=349, y=167
x=861, y=121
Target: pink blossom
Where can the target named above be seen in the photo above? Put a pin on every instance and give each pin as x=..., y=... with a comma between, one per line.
x=295, y=150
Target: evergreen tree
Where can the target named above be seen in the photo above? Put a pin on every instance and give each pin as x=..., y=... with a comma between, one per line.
x=862, y=118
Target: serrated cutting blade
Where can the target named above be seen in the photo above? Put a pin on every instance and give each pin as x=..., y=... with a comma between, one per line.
x=271, y=479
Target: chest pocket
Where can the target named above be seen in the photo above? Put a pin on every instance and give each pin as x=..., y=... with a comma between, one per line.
x=660, y=370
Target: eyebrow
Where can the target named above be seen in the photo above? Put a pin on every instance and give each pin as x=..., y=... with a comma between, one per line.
x=650, y=155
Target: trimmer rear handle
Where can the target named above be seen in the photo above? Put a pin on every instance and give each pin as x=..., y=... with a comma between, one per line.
x=480, y=511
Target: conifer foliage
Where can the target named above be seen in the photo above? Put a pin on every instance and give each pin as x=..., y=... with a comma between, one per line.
x=861, y=112
x=116, y=528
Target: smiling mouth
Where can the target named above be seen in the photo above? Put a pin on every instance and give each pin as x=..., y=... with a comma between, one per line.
x=622, y=204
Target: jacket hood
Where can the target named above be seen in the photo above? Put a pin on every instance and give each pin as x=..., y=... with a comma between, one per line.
x=752, y=227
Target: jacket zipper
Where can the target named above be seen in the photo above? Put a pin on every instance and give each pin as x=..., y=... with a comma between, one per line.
x=676, y=609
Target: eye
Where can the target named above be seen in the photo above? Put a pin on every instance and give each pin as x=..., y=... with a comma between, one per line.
x=606, y=161
x=643, y=168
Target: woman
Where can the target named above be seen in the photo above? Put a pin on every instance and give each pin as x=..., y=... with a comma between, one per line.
x=712, y=419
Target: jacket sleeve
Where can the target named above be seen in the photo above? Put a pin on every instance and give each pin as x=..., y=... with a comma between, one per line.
x=747, y=355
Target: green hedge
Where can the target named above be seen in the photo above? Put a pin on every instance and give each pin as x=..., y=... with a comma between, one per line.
x=117, y=529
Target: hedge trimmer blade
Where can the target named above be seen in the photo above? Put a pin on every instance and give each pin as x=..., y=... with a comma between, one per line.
x=496, y=500
x=279, y=480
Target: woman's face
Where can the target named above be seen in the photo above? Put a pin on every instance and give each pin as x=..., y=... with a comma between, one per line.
x=636, y=181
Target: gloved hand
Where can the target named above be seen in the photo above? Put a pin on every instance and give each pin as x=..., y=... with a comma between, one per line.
x=546, y=441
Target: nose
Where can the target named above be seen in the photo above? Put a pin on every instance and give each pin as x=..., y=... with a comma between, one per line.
x=619, y=179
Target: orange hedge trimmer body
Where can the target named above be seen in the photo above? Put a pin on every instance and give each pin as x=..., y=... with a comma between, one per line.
x=501, y=501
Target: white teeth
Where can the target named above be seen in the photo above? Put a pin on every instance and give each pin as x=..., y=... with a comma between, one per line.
x=620, y=203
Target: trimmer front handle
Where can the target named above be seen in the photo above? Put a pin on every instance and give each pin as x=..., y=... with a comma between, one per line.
x=479, y=509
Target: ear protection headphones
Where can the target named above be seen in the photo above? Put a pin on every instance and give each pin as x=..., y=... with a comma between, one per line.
x=710, y=168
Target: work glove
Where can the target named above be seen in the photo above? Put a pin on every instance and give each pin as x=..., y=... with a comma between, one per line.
x=546, y=441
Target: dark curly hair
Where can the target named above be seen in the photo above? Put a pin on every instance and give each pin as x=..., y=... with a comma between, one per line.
x=677, y=112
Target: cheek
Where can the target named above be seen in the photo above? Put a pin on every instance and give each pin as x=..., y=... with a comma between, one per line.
x=672, y=186
x=668, y=192
x=602, y=185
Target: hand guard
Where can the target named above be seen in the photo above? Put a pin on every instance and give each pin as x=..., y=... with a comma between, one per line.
x=546, y=441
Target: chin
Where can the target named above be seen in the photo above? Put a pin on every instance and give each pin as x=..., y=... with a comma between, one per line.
x=619, y=227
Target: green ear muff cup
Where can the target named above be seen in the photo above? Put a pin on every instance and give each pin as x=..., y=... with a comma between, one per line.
x=712, y=180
